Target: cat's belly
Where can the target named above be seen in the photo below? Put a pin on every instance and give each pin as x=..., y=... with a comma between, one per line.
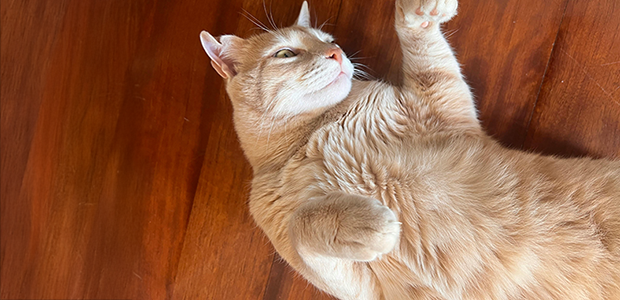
x=407, y=174
x=376, y=152
x=468, y=198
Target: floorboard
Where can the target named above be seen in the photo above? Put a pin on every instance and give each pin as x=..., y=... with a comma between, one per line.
x=103, y=137
x=504, y=48
x=578, y=111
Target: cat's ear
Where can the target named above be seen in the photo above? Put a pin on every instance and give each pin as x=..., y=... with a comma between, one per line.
x=304, y=16
x=223, y=53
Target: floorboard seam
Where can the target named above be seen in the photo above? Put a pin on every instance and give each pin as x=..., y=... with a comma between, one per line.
x=542, y=81
x=267, y=291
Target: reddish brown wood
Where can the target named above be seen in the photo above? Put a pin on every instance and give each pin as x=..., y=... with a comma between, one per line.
x=24, y=54
x=578, y=111
x=121, y=175
x=225, y=256
x=104, y=127
x=504, y=47
x=284, y=283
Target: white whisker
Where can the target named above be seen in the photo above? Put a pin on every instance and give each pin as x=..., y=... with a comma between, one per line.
x=451, y=33
x=325, y=23
x=254, y=20
x=358, y=73
x=269, y=16
x=355, y=53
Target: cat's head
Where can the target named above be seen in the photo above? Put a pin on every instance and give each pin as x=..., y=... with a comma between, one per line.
x=283, y=72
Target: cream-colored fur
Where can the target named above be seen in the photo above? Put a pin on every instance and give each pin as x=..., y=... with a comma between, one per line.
x=373, y=191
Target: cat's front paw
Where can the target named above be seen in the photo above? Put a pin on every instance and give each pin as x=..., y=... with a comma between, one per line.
x=345, y=226
x=370, y=231
x=424, y=13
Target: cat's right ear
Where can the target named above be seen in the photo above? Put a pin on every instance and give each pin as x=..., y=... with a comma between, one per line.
x=222, y=54
x=304, y=16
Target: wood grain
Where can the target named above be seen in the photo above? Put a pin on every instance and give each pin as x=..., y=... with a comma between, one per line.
x=578, y=111
x=504, y=47
x=121, y=175
x=117, y=141
x=23, y=74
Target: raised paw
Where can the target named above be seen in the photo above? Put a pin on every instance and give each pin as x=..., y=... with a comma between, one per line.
x=347, y=226
x=424, y=13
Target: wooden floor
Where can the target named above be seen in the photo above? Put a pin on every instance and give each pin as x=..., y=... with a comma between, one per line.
x=122, y=177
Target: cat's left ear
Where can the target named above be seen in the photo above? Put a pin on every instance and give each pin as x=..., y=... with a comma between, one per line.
x=304, y=16
x=223, y=54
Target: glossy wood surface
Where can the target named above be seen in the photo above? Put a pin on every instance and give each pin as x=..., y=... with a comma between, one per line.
x=122, y=177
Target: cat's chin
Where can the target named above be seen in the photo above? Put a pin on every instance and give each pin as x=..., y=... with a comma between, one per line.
x=330, y=95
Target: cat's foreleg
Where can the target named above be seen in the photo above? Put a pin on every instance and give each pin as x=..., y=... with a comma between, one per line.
x=430, y=69
x=336, y=233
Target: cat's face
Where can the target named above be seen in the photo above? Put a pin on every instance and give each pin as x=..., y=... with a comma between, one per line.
x=282, y=73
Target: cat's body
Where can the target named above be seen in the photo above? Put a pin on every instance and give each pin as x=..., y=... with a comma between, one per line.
x=458, y=216
x=479, y=221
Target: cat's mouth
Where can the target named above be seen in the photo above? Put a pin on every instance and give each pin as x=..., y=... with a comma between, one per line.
x=343, y=75
x=339, y=77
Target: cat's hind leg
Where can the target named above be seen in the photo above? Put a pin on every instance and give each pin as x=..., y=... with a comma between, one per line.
x=430, y=70
x=335, y=234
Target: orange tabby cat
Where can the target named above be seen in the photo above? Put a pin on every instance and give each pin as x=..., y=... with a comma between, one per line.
x=374, y=191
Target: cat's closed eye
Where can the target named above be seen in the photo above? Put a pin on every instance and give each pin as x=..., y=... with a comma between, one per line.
x=285, y=53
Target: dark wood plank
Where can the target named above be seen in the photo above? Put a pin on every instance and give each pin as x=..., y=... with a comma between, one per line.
x=101, y=207
x=22, y=88
x=578, y=112
x=285, y=283
x=225, y=255
x=504, y=47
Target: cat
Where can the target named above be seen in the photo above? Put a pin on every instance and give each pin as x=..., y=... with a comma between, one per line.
x=376, y=191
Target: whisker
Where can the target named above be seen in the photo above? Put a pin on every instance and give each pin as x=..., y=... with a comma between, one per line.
x=316, y=19
x=325, y=23
x=358, y=58
x=358, y=73
x=360, y=65
x=363, y=77
x=451, y=33
x=254, y=20
x=269, y=16
x=354, y=54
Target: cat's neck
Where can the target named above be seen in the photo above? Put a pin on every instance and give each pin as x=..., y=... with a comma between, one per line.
x=269, y=143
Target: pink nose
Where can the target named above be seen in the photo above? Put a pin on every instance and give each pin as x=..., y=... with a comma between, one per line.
x=334, y=53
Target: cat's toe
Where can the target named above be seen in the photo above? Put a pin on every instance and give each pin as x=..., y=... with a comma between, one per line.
x=387, y=235
x=375, y=235
x=423, y=13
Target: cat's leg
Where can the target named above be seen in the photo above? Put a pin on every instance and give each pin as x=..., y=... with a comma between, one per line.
x=336, y=233
x=430, y=70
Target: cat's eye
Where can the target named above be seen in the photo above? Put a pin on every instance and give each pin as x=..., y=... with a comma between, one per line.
x=284, y=53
